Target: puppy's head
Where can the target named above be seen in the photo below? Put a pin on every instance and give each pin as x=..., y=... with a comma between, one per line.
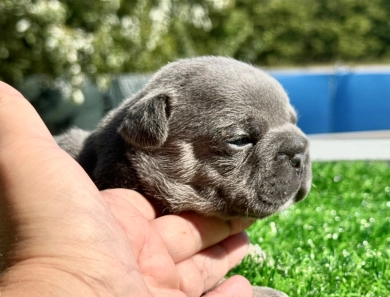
x=216, y=136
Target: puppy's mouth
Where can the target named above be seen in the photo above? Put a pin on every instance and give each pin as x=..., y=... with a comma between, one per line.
x=269, y=197
x=258, y=208
x=266, y=206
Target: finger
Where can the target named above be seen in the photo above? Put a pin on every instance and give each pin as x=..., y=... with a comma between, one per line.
x=24, y=137
x=6, y=89
x=194, y=233
x=123, y=201
x=211, y=265
x=15, y=113
x=29, y=159
x=234, y=286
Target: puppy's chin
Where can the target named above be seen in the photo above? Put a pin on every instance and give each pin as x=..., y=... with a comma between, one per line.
x=261, y=208
x=257, y=209
x=264, y=214
x=287, y=204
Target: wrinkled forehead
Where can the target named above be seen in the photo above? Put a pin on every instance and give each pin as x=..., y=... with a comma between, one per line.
x=248, y=96
x=264, y=98
x=224, y=88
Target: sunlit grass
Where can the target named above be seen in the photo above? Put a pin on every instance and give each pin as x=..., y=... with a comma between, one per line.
x=336, y=242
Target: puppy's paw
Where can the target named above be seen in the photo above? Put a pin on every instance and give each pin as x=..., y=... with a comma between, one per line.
x=267, y=292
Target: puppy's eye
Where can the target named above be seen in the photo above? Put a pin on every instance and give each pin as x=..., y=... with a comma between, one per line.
x=241, y=142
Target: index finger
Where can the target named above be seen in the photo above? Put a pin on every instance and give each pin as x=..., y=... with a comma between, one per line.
x=30, y=159
x=194, y=232
x=17, y=115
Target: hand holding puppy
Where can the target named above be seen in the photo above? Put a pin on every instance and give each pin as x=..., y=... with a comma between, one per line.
x=60, y=236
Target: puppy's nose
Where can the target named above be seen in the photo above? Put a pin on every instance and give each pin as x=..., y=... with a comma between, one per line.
x=297, y=161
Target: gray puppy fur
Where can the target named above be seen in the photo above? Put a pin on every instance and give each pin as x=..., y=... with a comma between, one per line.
x=210, y=134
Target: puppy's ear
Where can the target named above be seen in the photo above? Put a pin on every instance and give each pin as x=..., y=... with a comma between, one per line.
x=146, y=122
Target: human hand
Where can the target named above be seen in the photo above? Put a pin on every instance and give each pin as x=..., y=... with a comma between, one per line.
x=65, y=238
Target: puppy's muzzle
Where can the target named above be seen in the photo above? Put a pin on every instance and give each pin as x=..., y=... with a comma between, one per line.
x=294, y=148
x=292, y=155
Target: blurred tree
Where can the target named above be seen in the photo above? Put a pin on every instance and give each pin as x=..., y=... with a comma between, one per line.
x=35, y=40
x=296, y=32
x=70, y=40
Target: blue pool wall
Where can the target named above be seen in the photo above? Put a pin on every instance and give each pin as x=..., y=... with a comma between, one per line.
x=340, y=100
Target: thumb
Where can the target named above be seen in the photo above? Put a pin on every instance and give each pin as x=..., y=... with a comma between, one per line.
x=232, y=287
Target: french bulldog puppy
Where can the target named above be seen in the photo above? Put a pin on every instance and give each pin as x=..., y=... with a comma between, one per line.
x=209, y=134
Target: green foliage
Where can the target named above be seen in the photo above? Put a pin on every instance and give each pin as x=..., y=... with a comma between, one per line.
x=334, y=243
x=72, y=40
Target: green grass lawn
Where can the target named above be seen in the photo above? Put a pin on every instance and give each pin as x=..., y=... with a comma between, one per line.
x=334, y=243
